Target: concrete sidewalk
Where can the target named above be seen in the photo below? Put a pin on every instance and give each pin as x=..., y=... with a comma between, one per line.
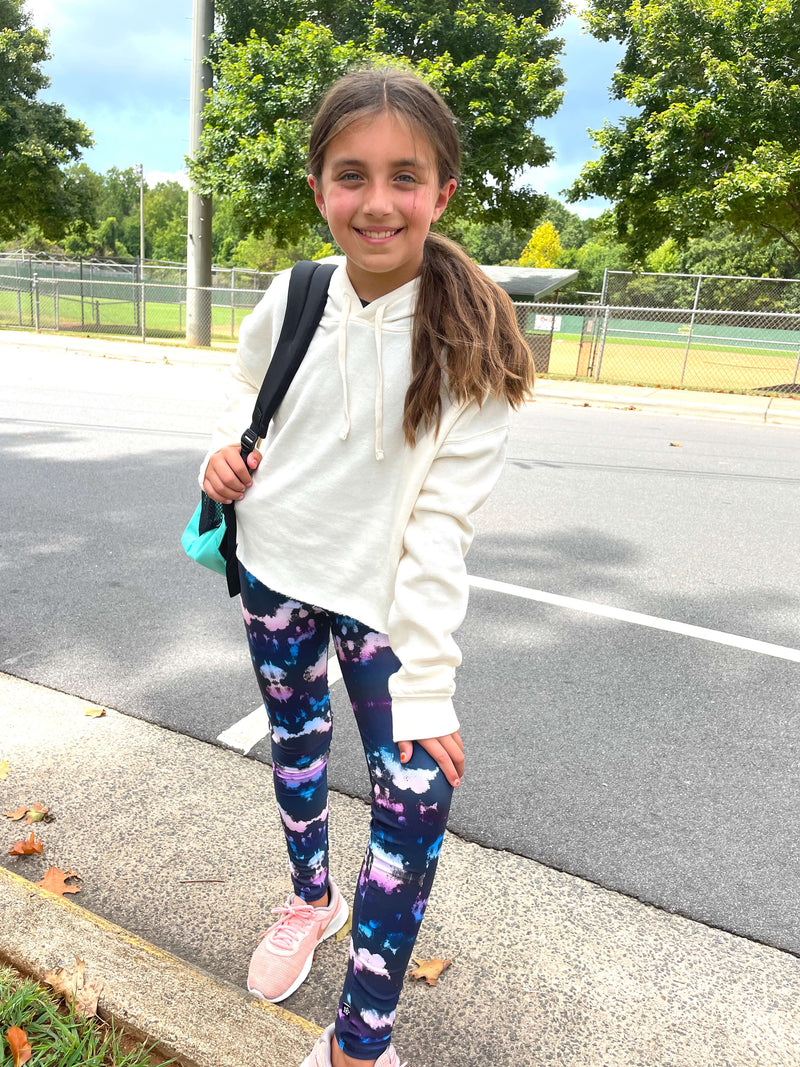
x=181, y=857
x=781, y=410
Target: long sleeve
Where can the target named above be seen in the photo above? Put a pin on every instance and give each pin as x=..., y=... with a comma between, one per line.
x=431, y=588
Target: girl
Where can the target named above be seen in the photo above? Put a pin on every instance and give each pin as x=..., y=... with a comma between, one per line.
x=356, y=527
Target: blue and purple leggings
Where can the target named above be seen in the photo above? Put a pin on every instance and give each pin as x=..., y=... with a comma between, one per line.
x=410, y=802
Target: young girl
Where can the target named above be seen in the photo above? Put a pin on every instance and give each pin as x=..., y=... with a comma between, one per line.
x=355, y=525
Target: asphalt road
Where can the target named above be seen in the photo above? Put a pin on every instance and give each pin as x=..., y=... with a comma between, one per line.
x=654, y=763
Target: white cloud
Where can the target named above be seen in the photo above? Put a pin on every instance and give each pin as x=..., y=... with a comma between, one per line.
x=49, y=14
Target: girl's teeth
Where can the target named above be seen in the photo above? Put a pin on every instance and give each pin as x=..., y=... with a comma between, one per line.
x=377, y=234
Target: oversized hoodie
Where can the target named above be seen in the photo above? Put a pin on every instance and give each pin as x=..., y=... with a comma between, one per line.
x=342, y=513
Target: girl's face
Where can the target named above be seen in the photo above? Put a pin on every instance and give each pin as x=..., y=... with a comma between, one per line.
x=379, y=192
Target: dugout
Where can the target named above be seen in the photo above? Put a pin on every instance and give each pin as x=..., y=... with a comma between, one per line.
x=530, y=285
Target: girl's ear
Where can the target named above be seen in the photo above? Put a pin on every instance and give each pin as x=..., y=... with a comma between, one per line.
x=319, y=199
x=442, y=199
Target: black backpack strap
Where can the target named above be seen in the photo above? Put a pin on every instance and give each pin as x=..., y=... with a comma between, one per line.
x=305, y=303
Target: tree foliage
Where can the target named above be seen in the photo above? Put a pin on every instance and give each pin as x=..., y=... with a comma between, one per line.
x=36, y=139
x=543, y=248
x=495, y=63
x=716, y=135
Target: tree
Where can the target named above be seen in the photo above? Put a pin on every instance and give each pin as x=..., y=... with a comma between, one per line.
x=493, y=62
x=717, y=133
x=165, y=211
x=36, y=139
x=543, y=249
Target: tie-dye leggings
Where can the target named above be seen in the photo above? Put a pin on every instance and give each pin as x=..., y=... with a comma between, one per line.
x=410, y=802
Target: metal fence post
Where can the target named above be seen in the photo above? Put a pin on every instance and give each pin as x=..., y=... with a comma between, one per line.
x=55, y=302
x=796, y=368
x=691, y=327
x=233, y=301
x=603, y=333
x=35, y=297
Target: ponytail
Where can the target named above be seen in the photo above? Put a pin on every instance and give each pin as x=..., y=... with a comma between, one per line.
x=465, y=324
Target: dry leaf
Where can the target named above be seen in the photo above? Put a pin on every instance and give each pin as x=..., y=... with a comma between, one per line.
x=675, y=444
x=20, y=813
x=429, y=969
x=30, y=812
x=30, y=847
x=37, y=813
x=95, y=713
x=345, y=931
x=73, y=987
x=5, y=767
x=55, y=881
x=21, y=1051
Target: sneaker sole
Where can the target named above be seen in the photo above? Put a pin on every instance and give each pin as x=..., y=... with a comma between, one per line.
x=333, y=927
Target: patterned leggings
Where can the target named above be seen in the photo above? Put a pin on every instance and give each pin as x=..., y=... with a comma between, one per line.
x=410, y=802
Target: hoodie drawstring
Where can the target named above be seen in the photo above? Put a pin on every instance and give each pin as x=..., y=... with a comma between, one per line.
x=379, y=385
x=344, y=433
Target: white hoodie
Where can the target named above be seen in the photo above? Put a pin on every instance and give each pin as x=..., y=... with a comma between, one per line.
x=342, y=514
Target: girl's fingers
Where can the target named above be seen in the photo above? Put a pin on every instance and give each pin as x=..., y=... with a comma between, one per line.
x=449, y=754
x=406, y=749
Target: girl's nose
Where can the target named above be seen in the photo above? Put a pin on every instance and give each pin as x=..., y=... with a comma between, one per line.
x=377, y=200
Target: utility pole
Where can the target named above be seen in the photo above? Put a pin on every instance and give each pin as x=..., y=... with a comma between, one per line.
x=198, y=250
x=138, y=170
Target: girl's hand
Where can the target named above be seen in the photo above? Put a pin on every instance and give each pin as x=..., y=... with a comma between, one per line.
x=227, y=476
x=448, y=751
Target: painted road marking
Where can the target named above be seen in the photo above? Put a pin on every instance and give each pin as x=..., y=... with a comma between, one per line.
x=247, y=732
x=701, y=633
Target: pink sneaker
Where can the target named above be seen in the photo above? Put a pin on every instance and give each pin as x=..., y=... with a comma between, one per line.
x=321, y=1053
x=285, y=953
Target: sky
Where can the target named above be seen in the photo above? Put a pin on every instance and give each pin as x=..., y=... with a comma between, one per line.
x=124, y=70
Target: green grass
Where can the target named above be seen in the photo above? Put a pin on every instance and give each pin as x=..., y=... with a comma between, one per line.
x=58, y=1038
x=115, y=316
x=699, y=341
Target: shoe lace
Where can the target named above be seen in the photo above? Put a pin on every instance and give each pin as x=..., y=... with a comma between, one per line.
x=292, y=925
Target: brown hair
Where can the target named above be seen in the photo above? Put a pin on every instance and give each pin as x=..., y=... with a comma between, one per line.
x=460, y=314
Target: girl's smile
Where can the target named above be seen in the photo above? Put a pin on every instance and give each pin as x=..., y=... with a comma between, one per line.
x=379, y=192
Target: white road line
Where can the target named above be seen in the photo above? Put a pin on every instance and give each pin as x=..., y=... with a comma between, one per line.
x=686, y=629
x=247, y=732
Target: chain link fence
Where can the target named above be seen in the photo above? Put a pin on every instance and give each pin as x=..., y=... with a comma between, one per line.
x=649, y=329
x=732, y=351
x=131, y=308
x=26, y=264
x=702, y=292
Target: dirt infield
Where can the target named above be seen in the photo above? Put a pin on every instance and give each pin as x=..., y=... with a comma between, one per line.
x=709, y=368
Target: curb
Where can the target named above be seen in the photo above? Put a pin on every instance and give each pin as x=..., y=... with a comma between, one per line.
x=158, y=998
x=775, y=411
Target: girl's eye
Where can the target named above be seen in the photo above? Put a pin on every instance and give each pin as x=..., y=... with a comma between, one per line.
x=406, y=178
x=349, y=176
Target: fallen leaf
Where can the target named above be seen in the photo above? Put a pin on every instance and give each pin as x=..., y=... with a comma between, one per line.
x=55, y=881
x=95, y=713
x=21, y=1051
x=345, y=931
x=30, y=847
x=429, y=970
x=37, y=813
x=675, y=444
x=5, y=767
x=20, y=813
x=73, y=987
